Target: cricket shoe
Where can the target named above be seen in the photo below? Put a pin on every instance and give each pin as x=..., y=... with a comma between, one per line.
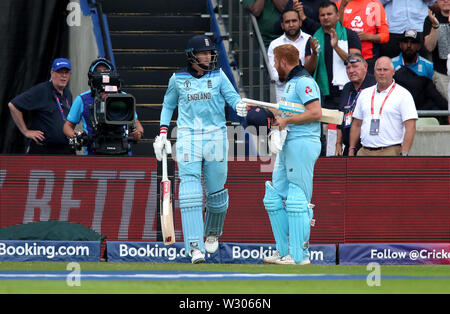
x=305, y=262
x=273, y=258
x=197, y=256
x=288, y=260
x=211, y=244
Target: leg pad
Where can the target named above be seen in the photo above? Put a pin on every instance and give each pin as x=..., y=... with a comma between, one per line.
x=216, y=210
x=191, y=201
x=278, y=218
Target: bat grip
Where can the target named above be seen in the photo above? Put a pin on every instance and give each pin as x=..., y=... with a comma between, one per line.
x=164, y=165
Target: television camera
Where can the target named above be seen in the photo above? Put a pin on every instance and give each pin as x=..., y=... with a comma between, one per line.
x=112, y=115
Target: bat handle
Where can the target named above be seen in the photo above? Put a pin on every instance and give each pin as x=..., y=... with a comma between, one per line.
x=164, y=164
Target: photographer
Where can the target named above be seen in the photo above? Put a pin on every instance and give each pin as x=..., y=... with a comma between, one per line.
x=82, y=111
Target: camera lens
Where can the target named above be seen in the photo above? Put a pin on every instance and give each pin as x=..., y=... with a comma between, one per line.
x=118, y=110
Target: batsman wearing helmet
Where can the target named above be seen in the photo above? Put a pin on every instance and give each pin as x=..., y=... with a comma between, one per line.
x=288, y=195
x=200, y=91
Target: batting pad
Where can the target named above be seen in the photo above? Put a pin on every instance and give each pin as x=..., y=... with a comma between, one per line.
x=299, y=222
x=216, y=210
x=278, y=218
x=191, y=201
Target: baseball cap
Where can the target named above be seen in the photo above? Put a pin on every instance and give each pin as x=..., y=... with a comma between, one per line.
x=61, y=63
x=412, y=35
x=257, y=116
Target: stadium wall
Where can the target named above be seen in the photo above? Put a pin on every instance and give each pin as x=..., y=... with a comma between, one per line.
x=358, y=200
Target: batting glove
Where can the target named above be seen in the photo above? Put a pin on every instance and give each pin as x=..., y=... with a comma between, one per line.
x=276, y=140
x=241, y=109
x=161, y=142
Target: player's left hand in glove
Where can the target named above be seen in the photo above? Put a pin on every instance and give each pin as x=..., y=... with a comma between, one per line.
x=276, y=140
x=161, y=143
x=241, y=109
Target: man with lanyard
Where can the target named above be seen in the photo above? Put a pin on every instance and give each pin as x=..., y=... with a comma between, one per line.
x=356, y=68
x=80, y=111
x=47, y=104
x=384, y=117
x=288, y=196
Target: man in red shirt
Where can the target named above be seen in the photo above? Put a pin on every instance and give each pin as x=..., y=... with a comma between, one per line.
x=368, y=19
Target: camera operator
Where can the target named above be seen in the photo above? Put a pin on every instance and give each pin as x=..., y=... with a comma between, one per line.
x=82, y=111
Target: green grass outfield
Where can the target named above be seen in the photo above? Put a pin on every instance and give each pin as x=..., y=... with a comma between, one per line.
x=335, y=286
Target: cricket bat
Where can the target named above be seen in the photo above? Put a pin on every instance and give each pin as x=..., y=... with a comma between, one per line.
x=328, y=115
x=166, y=210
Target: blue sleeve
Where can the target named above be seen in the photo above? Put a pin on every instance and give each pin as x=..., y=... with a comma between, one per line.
x=76, y=111
x=430, y=71
x=170, y=102
x=228, y=92
x=307, y=90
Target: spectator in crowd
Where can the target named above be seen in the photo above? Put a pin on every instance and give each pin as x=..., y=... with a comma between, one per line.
x=47, y=105
x=415, y=73
x=360, y=79
x=309, y=14
x=368, y=19
x=267, y=13
x=410, y=44
x=384, y=117
x=327, y=62
x=292, y=35
x=80, y=111
x=403, y=15
x=436, y=29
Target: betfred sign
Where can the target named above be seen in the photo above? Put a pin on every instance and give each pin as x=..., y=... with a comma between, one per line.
x=115, y=196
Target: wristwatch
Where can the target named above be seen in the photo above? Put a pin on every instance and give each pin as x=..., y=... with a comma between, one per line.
x=404, y=154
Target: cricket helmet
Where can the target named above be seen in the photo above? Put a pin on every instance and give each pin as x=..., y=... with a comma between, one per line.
x=200, y=43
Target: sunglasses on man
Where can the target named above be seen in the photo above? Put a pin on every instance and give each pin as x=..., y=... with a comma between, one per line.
x=351, y=61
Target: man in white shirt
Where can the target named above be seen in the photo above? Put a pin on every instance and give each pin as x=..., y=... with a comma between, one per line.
x=293, y=35
x=385, y=116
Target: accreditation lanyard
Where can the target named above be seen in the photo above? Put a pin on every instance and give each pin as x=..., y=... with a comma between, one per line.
x=375, y=123
x=384, y=101
x=349, y=115
x=59, y=105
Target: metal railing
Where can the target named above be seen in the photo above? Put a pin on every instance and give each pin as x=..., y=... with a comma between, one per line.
x=248, y=33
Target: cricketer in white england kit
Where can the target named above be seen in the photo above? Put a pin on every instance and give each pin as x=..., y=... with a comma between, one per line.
x=201, y=142
x=288, y=196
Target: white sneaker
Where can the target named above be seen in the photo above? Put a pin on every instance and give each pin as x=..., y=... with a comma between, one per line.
x=211, y=244
x=197, y=256
x=286, y=260
x=305, y=262
x=273, y=258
